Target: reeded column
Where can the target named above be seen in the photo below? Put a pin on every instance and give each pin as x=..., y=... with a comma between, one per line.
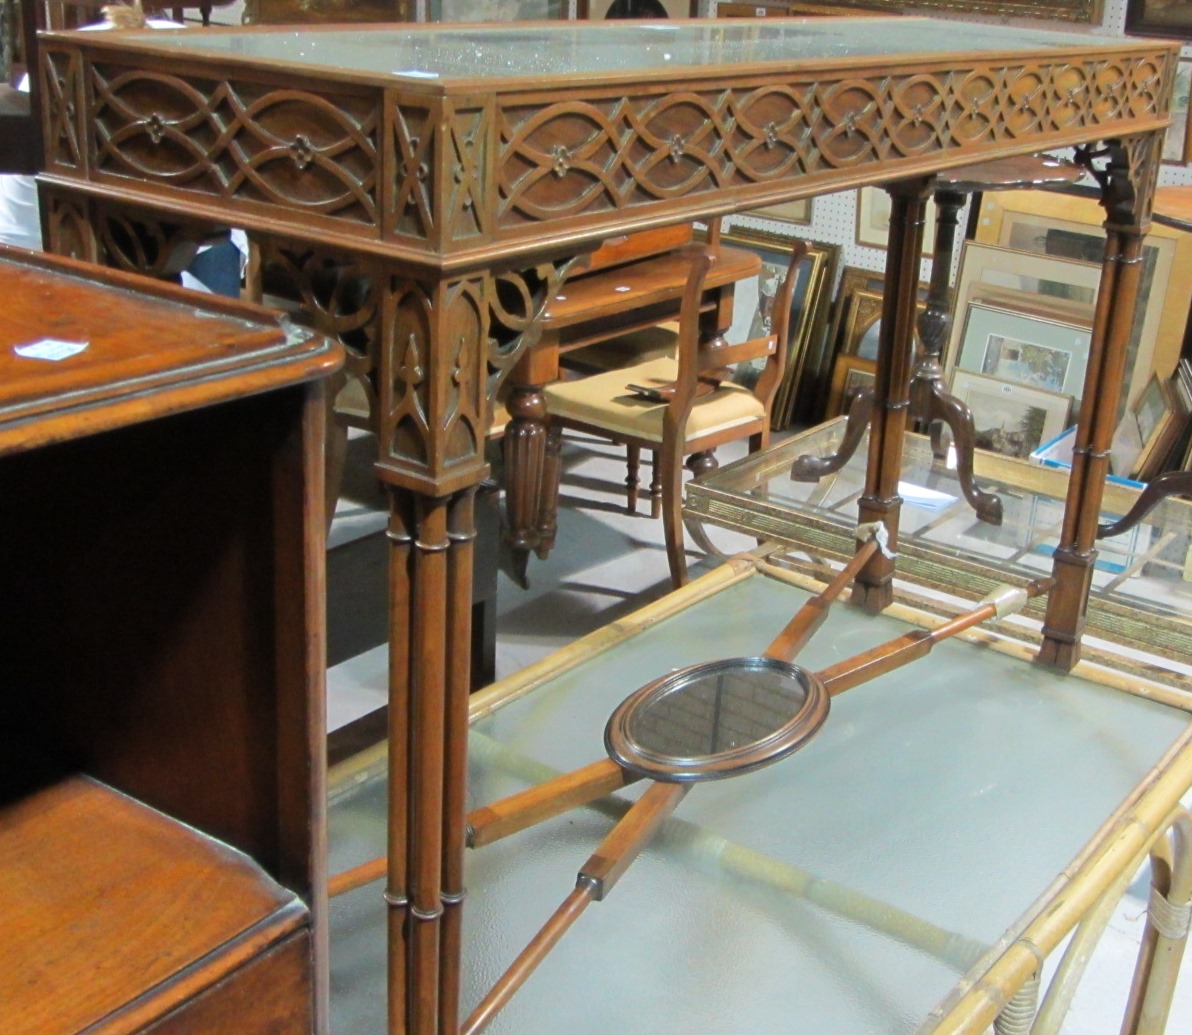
x=1127, y=185
x=874, y=588
x=443, y=337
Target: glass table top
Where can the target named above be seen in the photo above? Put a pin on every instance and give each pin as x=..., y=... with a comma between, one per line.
x=1142, y=583
x=484, y=52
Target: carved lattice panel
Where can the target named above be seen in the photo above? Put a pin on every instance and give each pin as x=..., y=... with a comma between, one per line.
x=570, y=158
x=243, y=141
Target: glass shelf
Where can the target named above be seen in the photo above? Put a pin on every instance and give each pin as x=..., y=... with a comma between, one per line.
x=1142, y=582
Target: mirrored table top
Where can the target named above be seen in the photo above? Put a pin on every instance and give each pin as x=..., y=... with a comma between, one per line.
x=586, y=48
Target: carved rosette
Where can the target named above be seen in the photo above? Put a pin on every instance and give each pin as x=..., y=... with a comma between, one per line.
x=564, y=157
x=245, y=141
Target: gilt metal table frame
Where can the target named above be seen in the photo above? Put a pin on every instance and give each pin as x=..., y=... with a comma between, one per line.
x=455, y=205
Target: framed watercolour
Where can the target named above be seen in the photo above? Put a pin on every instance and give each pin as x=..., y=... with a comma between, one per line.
x=873, y=220
x=753, y=301
x=1024, y=349
x=849, y=374
x=1009, y=418
x=1159, y=18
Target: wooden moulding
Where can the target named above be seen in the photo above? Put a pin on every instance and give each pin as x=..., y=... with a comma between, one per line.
x=80, y=857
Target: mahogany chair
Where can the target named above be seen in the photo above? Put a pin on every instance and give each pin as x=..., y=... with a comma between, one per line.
x=684, y=406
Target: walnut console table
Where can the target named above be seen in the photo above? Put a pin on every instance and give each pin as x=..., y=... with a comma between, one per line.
x=162, y=798
x=452, y=174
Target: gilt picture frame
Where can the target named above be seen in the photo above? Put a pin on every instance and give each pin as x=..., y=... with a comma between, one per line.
x=1086, y=11
x=1157, y=18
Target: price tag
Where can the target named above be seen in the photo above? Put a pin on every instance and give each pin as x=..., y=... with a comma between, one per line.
x=51, y=349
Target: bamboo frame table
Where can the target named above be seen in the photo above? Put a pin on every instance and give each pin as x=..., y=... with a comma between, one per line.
x=448, y=176
x=908, y=870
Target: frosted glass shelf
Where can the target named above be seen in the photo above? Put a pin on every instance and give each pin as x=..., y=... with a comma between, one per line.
x=947, y=796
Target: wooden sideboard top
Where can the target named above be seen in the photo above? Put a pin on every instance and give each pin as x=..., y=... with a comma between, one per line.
x=151, y=349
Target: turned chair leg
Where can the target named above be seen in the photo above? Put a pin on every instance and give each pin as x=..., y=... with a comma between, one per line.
x=702, y=463
x=655, y=486
x=633, y=458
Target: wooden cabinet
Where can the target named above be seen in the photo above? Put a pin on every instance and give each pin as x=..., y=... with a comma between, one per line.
x=161, y=659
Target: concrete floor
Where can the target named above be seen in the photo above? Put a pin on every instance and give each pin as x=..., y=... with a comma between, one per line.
x=607, y=564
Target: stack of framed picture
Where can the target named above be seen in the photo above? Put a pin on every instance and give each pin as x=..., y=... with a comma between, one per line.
x=1155, y=433
x=1022, y=322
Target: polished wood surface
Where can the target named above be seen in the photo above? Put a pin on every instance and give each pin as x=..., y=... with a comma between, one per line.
x=162, y=551
x=457, y=203
x=116, y=915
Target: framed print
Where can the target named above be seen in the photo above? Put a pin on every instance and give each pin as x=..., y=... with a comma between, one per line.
x=795, y=212
x=1024, y=349
x=1043, y=286
x=1008, y=418
x=815, y=385
x=601, y=10
x=852, y=279
x=1159, y=18
x=849, y=374
x=1175, y=141
x=873, y=220
x=1044, y=222
x=753, y=302
x=1159, y=424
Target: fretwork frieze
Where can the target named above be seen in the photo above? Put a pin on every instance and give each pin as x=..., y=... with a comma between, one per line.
x=570, y=158
x=442, y=176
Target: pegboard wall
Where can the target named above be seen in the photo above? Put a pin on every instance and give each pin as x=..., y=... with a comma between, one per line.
x=834, y=216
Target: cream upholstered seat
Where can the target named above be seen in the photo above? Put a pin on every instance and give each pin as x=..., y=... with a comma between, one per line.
x=603, y=399
x=696, y=408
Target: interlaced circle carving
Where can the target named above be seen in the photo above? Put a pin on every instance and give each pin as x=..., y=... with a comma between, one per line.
x=239, y=141
x=634, y=149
